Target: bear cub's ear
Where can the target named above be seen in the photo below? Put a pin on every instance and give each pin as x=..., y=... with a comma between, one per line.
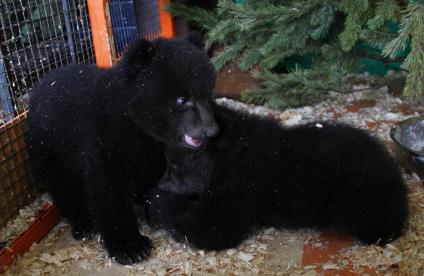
x=139, y=54
x=196, y=39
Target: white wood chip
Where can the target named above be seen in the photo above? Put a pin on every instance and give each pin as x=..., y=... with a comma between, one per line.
x=328, y=266
x=212, y=261
x=310, y=273
x=188, y=267
x=231, y=252
x=244, y=257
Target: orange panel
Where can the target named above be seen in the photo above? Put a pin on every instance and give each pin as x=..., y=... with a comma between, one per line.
x=101, y=30
x=320, y=255
x=166, y=21
x=45, y=221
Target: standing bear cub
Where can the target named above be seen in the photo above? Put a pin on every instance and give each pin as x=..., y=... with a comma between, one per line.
x=97, y=136
x=257, y=174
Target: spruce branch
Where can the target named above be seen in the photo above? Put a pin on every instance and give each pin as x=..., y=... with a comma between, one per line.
x=400, y=43
x=355, y=11
x=263, y=34
x=229, y=53
x=293, y=89
x=195, y=15
x=385, y=11
x=377, y=38
x=414, y=62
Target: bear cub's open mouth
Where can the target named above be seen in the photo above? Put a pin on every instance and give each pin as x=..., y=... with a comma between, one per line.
x=193, y=142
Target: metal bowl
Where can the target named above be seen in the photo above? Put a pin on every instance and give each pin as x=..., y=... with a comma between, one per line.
x=409, y=138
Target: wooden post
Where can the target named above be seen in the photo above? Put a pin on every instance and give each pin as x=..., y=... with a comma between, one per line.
x=101, y=29
x=166, y=22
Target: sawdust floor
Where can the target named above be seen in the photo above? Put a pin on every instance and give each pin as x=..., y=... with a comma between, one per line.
x=59, y=253
x=270, y=252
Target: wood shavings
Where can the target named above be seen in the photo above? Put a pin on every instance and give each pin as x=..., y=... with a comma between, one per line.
x=16, y=226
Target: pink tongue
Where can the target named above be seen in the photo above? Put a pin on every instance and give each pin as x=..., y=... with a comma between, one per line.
x=191, y=141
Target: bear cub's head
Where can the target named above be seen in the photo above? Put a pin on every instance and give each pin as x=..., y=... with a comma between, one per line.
x=170, y=86
x=191, y=172
x=187, y=172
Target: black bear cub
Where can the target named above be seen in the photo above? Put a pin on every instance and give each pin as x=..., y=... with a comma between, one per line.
x=97, y=136
x=257, y=174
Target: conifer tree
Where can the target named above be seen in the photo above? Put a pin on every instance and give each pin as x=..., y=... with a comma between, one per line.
x=261, y=35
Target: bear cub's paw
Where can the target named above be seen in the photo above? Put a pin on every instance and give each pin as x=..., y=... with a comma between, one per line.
x=132, y=251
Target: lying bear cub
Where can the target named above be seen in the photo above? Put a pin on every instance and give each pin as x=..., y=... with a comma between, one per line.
x=258, y=174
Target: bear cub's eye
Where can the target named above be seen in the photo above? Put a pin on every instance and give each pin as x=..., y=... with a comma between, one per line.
x=182, y=101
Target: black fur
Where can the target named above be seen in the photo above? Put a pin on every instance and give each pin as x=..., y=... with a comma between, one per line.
x=259, y=174
x=97, y=136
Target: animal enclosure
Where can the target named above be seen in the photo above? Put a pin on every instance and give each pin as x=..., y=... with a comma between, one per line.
x=37, y=36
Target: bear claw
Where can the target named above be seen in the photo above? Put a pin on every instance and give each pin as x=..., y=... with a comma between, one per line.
x=133, y=251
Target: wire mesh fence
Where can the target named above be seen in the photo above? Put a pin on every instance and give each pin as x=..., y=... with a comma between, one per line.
x=36, y=36
x=133, y=19
x=124, y=25
x=148, y=18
